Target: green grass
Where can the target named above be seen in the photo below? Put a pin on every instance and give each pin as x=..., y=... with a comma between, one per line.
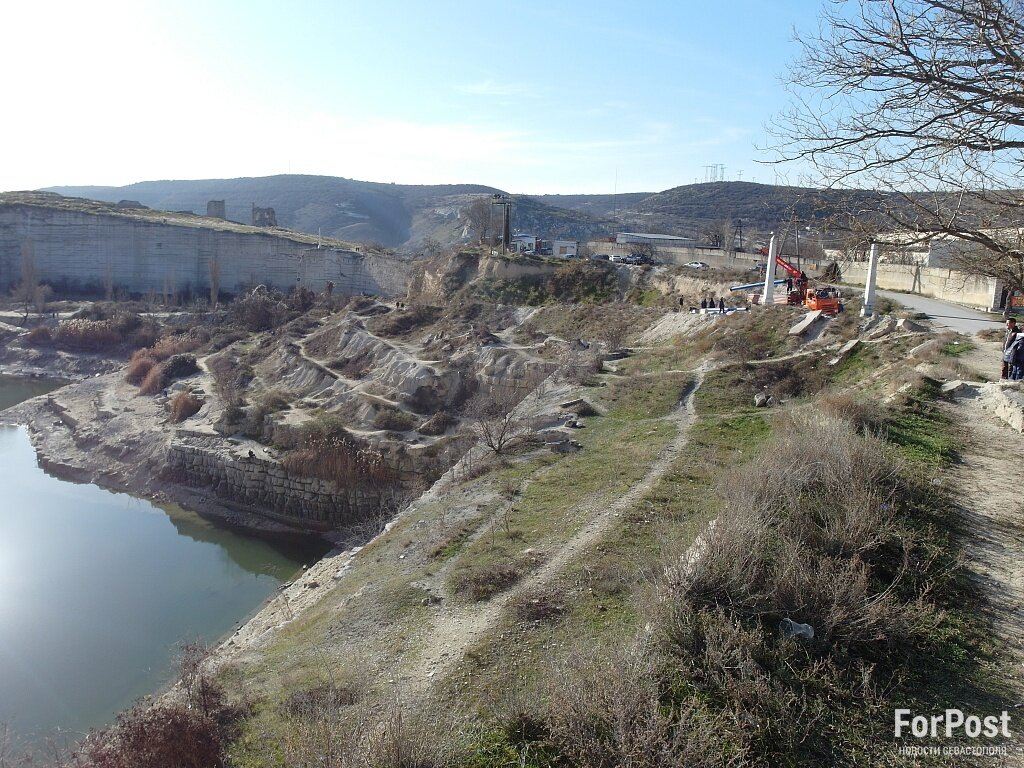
x=956, y=348
x=617, y=451
x=920, y=431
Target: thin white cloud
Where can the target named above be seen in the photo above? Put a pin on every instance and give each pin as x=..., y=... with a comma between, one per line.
x=493, y=88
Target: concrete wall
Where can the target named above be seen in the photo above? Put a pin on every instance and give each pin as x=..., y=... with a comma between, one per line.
x=937, y=282
x=142, y=255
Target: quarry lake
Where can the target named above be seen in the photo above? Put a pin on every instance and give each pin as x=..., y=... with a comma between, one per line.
x=98, y=590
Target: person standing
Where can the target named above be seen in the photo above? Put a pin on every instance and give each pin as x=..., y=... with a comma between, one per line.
x=1012, y=332
x=704, y=302
x=721, y=304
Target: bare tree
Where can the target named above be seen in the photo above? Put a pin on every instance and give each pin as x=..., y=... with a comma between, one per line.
x=922, y=101
x=495, y=418
x=478, y=219
x=28, y=288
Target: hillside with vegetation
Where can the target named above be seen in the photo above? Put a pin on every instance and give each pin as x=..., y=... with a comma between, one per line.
x=592, y=530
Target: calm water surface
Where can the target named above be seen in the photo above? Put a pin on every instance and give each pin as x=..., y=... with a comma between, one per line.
x=99, y=589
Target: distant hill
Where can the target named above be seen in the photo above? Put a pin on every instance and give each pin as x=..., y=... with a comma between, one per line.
x=404, y=217
x=394, y=215
x=689, y=209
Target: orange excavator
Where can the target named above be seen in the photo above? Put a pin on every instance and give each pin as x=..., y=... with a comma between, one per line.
x=827, y=300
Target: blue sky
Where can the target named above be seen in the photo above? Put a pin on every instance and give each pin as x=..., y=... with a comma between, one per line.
x=531, y=97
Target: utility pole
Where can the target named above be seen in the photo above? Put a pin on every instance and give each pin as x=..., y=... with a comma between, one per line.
x=768, y=295
x=869, y=289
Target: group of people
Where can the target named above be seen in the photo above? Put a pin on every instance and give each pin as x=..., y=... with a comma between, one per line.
x=1013, y=351
x=706, y=303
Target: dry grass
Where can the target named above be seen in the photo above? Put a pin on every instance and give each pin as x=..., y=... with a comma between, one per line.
x=40, y=336
x=153, y=383
x=184, y=405
x=804, y=527
x=87, y=335
x=139, y=367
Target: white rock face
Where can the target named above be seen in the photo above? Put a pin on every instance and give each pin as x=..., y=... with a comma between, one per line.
x=142, y=255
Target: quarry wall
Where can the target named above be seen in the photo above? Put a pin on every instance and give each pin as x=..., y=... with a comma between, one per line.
x=85, y=249
x=264, y=486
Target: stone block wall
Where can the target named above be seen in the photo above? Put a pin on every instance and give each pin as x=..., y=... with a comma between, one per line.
x=264, y=486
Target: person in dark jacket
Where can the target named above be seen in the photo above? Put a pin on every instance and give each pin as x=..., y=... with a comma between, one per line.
x=721, y=304
x=1012, y=333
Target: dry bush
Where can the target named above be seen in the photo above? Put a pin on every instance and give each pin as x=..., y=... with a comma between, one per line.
x=153, y=383
x=480, y=582
x=275, y=400
x=991, y=334
x=394, y=420
x=802, y=534
x=363, y=738
x=139, y=367
x=259, y=310
x=866, y=416
x=40, y=336
x=541, y=605
x=87, y=335
x=437, y=424
x=605, y=709
x=166, y=736
x=399, y=322
x=162, y=374
x=174, y=344
x=319, y=700
x=184, y=405
x=327, y=451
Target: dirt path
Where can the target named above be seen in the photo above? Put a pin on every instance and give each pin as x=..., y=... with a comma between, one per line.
x=457, y=628
x=990, y=480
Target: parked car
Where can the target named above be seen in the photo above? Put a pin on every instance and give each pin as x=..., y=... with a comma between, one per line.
x=696, y=265
x=601, y=257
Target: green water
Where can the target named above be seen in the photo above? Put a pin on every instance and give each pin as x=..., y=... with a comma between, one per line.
x=98, y=590
x=14, y=389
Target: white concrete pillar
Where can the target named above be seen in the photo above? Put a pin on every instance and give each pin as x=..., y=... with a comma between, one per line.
x=869, y=284
x=768, y=294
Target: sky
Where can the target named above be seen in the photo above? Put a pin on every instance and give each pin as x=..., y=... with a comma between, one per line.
x=552, y=97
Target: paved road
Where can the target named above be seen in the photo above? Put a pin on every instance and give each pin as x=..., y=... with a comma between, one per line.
x=946, y=315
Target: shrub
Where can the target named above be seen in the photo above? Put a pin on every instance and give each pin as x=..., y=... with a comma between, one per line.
x=183, y=405
x=481, y=582
x=321, y=700
x=808, y=533
x=582, y=281
x=154, y=737
x=174, y=344
x=259, y=310
x=40, y=336
x=437, y=424
x=394, y=420
x=400, y=322
x=139, y=367
x=88, y=335
x=179, y=366
x=153, y=383
x=327, y=451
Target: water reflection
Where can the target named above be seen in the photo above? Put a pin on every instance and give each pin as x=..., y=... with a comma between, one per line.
x=99, y=589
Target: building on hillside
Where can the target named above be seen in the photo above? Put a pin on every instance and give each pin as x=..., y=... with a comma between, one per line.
x=565, y=249
x=523, y=243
